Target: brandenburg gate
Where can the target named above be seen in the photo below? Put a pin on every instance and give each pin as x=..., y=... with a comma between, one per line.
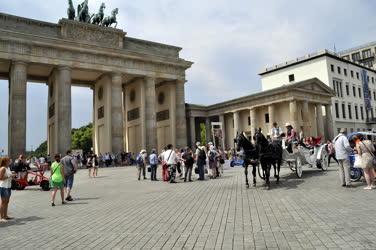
x=138, y=85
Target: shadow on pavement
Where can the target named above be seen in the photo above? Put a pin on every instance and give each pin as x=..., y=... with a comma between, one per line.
x=19, y=221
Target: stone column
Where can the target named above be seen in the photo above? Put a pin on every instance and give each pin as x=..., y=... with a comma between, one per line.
x=193, y=130
x=329, y=121
x=222, y=120
x=294, y=114
x=320, y=121
x=150, y=115
x=17, y=109
x=117, y=139
x=208, y=129
x=93, y=136
x=252, y=115
x=305, y=116
x=181, y=122
x=173, y=113
x=63, y=107
x=236, y=123
x=271, y=111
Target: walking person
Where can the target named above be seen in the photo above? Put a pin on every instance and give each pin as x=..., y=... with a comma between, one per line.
x=153, y=160
x=343, y=150
x=70, y=168
x=95, y=165
x=89, y=164
x=365, y=150
x=57, y=180
x=141, y=164
x=201, y=162
x=170, y=156
x=331, y=151
x=6, y=176
x=188, y=165
x=222, y=158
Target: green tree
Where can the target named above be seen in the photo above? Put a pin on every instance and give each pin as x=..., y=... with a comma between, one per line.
x=82, y=138
x=203, y=133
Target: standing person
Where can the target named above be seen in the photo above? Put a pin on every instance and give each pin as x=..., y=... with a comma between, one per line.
x=291, y=136
x=201, y=162
x=275, y=132
x=95, y=165
x=222, y=158
x=165, y=176
x=6, y=176
x=179, y=161
x=331, y=151
x=170, y=157
x=141, y=164
x=343, y=149
x=213, y=161
x=70, y=168
x=57, y=180
x=89, y=164
x=188, y=164
x=153, y=160
x=365, y=150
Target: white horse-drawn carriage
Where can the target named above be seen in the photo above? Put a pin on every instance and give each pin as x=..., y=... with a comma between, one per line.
x=316, y=155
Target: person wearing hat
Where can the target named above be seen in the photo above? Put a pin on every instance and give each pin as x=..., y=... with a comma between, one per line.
x=290, y=136
x=343, y=150
x=141, y=164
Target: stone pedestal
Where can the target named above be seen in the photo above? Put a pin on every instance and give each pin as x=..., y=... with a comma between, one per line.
x=150, y=116
x=181, y=126
x=17, y=109
x=117, y=139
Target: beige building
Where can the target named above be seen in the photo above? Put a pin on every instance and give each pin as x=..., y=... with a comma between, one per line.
x=138, y=85
x=305, y=104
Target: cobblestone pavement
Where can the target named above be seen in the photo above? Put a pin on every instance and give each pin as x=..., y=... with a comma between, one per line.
x=117, y=211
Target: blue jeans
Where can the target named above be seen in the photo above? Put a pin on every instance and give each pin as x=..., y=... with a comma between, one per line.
x=5, y=193
x=153, y=172
x=68, y=181
x=201, y=172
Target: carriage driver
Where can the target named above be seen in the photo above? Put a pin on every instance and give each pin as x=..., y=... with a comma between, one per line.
x=275, y=132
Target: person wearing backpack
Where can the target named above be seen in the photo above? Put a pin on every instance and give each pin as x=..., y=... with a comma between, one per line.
x=188, y=164
x=201, y=162
x=141, y=164
x=70, y=168
x=170, y=158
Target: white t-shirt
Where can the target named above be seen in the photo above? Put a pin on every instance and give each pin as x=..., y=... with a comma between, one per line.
x=170, y=159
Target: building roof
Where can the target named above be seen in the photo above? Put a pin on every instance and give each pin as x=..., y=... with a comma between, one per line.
x=310, y=57
x=299, y=86
x=363, y=46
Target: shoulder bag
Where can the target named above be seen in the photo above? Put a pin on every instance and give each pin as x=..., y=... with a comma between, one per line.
x=373, y=155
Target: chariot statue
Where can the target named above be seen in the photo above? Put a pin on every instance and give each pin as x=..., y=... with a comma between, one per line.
x=109, y=20
x=98, y=18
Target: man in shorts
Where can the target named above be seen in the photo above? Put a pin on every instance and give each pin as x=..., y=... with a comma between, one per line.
x=70, y=168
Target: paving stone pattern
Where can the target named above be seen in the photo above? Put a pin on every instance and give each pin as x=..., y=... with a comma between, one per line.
x=116, y=211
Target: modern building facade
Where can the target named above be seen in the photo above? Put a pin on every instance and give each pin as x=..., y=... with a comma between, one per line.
x=363, y=54
x=138, y=85
x=354, y=103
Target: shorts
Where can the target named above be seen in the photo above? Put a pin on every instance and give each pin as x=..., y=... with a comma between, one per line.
x=68, y=182
x=5, y=192
x=58, y=185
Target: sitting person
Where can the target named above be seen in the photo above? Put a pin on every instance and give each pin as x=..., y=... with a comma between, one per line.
x=291, y=137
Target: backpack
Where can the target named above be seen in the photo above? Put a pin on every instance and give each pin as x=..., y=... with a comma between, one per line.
x=139, y=160
x=202, y=155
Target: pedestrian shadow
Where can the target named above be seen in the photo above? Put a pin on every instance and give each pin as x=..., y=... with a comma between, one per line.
x=75, y=203
x=20, y=221
x=86, y=198
x=100, y=177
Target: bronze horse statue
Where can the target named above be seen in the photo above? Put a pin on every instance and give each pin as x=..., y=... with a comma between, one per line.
x=98, y=18
x=109, y=20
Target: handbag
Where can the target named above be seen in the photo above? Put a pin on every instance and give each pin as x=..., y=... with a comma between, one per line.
x=196, y=170
x=373, y=155
x=149, y=169
x=357, y=161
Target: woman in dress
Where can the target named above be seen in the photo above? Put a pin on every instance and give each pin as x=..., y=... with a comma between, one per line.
x=6, y=176
x=366, y=151
x=57, y=180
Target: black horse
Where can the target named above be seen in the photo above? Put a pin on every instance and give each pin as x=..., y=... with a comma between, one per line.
x=250, y=156
x=270, y=154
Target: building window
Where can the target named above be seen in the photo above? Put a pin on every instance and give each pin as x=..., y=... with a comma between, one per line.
x=334, y=86
x=267, y=118
x=343, y=111
x=291, y=78
x=352, y=73
x=332, y=67
x=249, y=121
x=355, y=56
x=356, y=112
x=347, y=90
x=361, y=113
x=354, y=91
x=357, y=75
x=350, y=113
x=339, y=70
x=360, y=92
x=367, y=79
x=345, y=72
x=366, y=53
x=373, y=79
x=340, y=89
x=336, y=109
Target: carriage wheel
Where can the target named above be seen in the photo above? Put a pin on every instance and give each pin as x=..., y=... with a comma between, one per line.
x=260, y=172
x=299, y=167
x=323, y=163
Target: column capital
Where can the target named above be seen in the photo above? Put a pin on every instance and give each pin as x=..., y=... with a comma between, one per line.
x=18, y=62
x=64, y=67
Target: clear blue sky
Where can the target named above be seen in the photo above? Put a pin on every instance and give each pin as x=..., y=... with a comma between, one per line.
x=229, y=41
